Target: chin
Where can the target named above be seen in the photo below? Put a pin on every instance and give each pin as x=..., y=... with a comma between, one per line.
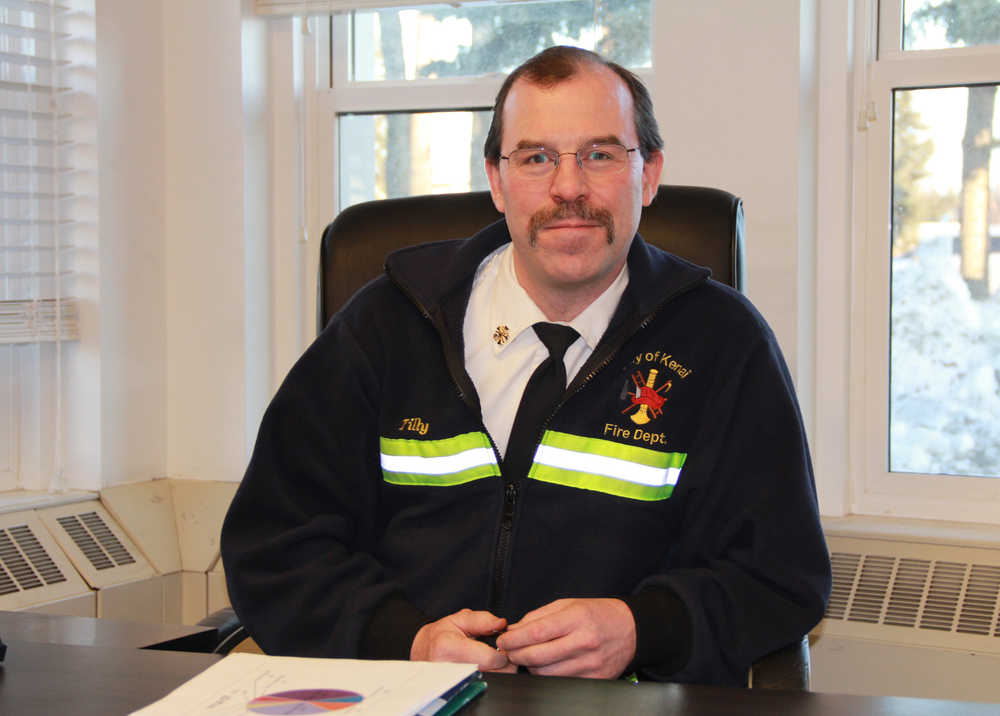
x=577, y=275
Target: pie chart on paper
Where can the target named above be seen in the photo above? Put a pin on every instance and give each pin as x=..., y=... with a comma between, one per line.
x=304, y=701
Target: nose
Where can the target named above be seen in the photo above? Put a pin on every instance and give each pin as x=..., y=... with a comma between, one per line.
x=568, y=180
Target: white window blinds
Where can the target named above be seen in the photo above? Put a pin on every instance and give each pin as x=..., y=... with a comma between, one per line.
x=34, y=164
x=46, y=77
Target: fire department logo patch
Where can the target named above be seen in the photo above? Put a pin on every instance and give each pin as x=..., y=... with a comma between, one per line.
x=645, y=397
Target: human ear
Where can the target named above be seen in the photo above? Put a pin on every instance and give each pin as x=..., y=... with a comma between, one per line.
x=651, y=170
x=493, y=174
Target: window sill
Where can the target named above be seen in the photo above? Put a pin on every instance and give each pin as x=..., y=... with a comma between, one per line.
x=17, y=500
x=900, y=529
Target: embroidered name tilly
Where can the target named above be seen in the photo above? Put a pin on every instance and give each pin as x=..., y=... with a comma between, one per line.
x=414, y=425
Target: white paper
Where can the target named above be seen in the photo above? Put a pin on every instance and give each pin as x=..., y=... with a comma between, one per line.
x=252, y=683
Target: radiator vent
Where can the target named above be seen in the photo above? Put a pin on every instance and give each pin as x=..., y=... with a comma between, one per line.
x=979, y=610
x=33, y=570
x=29, y=563
x=95, y=540
x=96, y=544
x=908, y=592
x=946, y=596
x=914, y=593
x=872, y=582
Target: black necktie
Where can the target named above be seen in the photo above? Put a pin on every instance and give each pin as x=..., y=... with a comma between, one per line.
x=543, y=391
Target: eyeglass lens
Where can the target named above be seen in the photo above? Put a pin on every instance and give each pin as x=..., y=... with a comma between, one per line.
x=596, y=159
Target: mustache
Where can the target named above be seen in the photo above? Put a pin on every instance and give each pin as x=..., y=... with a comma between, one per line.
x=578, y=209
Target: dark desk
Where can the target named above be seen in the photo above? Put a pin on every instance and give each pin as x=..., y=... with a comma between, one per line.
x=87, y=631
x=534, y=696
x=38, y=678
x=43, y=674
x=84, y=681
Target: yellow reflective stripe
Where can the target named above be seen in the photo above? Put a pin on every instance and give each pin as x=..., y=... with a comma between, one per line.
x=609, y=448
x=449, y=461
x=605, y=466
x=434, y=448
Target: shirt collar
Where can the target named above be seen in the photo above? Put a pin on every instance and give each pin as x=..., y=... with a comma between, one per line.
x=512, y=311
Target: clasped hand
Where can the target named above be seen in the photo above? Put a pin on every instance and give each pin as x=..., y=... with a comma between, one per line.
x=592, y=638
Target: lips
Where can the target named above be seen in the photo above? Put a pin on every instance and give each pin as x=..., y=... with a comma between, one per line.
x=571, y=225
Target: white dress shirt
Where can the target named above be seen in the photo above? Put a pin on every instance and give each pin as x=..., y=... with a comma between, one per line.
x=501, y=348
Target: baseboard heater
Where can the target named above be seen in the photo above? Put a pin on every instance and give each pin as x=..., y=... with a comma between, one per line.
x=915, y=587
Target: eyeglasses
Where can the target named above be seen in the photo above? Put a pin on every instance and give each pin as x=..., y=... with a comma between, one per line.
x=599, y=160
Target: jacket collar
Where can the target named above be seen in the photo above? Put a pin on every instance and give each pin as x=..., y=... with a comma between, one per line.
x=438, y=277
x=429, y=273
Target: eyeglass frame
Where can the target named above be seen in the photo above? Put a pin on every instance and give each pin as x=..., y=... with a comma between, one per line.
x=579, y=161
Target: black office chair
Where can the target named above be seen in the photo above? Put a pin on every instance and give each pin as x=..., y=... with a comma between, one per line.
x=700, y=224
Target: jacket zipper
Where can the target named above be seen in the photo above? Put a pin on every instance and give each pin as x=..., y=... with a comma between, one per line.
x=502, y=548
x=511, y=491
x=510, y=487
x=502, y=551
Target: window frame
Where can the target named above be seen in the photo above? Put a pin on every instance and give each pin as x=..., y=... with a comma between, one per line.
x=345, y=96
x=874, y=489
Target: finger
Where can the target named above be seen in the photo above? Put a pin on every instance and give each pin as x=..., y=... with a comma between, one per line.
x=564, y=657
x=546, y=653
x=585, y=638
x=478, y=623
x=457, y=648
x=509, y=668
x=537, y=631
x=491, y=660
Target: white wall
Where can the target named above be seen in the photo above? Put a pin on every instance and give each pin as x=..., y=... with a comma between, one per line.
x=755, y=98
x=204, y=234
x=730, y=110
x=169, y=357
x=126, y=430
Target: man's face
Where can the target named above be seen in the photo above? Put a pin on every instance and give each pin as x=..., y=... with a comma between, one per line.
x=571, y=231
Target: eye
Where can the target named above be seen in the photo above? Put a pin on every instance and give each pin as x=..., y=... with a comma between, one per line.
x=538, y=157
x=598, y=154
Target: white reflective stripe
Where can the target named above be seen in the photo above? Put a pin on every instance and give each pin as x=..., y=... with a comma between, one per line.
x=607, y=466
x=444, y=465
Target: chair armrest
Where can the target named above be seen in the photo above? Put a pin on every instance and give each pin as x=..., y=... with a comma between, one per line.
x=229, y=630
x=785, y=668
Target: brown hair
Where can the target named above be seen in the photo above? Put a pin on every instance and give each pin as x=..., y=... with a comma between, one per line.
x=555, y=64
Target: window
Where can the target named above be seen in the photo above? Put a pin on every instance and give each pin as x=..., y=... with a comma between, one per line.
x=45, y=193
x=931, y=263
x=412, y=88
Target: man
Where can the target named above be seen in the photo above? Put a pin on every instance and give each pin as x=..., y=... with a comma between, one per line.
x=659, y=517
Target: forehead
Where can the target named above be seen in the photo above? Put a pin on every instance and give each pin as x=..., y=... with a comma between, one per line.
x=593, y=103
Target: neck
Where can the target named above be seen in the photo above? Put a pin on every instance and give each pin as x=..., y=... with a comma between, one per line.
x=563, y=302
x=560, y=305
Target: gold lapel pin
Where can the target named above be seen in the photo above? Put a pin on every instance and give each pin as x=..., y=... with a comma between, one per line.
x=501, y=335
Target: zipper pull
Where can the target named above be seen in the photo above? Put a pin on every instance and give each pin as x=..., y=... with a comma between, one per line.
x=510, y=499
